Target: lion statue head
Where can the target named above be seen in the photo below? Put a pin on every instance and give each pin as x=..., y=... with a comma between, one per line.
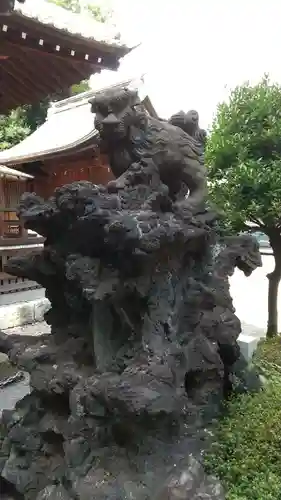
x=116, y=111
x=189, y=123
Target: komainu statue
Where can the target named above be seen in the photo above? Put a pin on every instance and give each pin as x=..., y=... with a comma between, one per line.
x=143, y=329
x=128, y=134
x=189, y=123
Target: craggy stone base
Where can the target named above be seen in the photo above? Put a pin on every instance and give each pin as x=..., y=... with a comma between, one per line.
x=94, y=436
x=82, y=435
x=144, y=337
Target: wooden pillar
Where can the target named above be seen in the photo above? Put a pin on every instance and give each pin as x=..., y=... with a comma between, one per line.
x=2, y=206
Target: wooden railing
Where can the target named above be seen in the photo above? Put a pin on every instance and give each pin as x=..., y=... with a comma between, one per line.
x=10, y=225
x=15, y=240
x=12, y=284
x=12, y=231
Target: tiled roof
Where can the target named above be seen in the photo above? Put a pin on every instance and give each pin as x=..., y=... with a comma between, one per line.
x=69, y=125
x=75, y=24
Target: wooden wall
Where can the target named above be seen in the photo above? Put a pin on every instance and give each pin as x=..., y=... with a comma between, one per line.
x=11, y=191
x=65, y=170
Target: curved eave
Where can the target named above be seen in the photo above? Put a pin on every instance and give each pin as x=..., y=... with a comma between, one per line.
x=83, y=143
x=73, y=38
x=64, y=23
x=68, y=129
x=61, y=133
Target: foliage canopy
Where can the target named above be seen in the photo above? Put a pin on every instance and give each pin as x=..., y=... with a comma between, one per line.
x=245, y=453
x=244, y=157
x=76, y=6
x=13, y=128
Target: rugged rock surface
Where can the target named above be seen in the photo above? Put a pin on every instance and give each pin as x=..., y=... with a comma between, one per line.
x=144, y=334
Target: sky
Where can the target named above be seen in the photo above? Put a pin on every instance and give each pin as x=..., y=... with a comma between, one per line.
x=194, y=52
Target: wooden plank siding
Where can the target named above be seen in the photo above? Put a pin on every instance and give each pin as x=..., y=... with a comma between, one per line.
x=87, y=166
x=65, y=170
x=13, y=237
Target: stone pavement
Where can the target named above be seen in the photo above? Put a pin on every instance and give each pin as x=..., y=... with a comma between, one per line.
x=24, y=296
x=250, y=300
x=250, y=296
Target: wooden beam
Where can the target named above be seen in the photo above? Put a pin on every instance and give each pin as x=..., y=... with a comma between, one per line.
x=32, y=41
x=60, y=74
x=55, y=68
x=10, y=87
x=37, y=78
x=7, y=6
x=52, y=75
x=31, y=74
x=10, y=92
x=22, y=83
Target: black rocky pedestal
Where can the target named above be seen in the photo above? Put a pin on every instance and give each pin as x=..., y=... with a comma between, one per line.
x=143, y=338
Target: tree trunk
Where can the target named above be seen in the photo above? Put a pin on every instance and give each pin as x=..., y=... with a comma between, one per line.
x=272, y=324
x=274, y=279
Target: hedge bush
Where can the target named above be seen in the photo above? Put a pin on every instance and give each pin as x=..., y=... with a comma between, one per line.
x=269, y=351
x=246, y=453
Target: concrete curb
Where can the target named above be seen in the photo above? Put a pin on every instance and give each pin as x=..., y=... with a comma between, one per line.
x=23, y=313
x=249, y=338
x=248, y=345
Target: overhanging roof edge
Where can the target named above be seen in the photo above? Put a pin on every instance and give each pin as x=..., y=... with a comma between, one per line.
x=69, y=125
x=28, y=158
x=78, y=25
x=83, y=97
x=11, y=172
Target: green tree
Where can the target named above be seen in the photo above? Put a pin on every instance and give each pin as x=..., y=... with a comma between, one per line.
x=35, y=114
x=13, y=128
x=244, y=160
x=73, y=5
x=77, y=6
